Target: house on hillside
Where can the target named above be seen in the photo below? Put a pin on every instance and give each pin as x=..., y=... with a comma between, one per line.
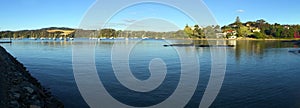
x=286, y=27
x=221, y=35
x=256, y=30
x=230, y=32
x=296, y=35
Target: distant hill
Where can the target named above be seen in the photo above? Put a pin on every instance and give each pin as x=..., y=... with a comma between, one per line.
x=55, y=32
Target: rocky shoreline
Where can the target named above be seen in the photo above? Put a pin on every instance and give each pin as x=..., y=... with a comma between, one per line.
x=18, y=89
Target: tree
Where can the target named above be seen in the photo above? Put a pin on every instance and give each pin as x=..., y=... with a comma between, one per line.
x=243, y=31
x=210, y=32
x=198, y=32
x=217, y=27
x=107, y=33
x=257, y=35
x=238, y=21
x=188, y=30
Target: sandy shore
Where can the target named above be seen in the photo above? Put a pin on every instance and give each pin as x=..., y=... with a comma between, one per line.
x=18, y=89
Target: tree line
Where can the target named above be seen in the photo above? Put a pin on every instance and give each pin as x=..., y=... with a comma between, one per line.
x=202, y=32
x=251, y=29
x=34, y=33
x=259, y=29
x=262, y=29
x=103, y=33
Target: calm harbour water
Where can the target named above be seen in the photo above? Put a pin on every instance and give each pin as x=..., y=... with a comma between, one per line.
x=259, y=74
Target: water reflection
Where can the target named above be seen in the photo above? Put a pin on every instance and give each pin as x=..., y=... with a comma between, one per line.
x=257, y=47
x=253, y=66
x=240, y=47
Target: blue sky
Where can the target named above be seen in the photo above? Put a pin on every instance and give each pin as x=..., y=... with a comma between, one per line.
x=35, y=14
x=280, y=11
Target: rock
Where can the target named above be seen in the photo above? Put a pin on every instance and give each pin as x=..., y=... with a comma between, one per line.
x=18, y=74
x=14, y=104
x=37, y=103
x=28, y=89
x=20, y=89
x=13, y=90
x=34, y=106
x=17, y=81
x=16, y=95
x=34, y=97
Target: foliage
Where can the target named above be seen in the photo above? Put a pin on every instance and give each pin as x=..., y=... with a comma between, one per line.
x=240, y=29
x=188, y=30
x=266, y=30
x=257, y=35
x=198, y=32
x=243, y=31
x=108, y=33
x=34, y=33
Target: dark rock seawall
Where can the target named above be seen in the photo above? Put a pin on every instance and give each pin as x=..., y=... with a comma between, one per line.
x=18, y=89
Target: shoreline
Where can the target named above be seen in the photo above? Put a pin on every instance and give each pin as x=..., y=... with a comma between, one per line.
x=267, y=39
x=235, y=39
x=19, y=88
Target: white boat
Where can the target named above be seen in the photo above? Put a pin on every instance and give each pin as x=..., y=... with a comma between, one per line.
x=145, y=38
x=61, y=38
x=93, y=38
x=103, y=38
x=120, y=38
x=32, y=38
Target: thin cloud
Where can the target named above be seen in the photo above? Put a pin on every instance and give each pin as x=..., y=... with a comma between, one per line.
x=240, y=11
x=129, y=20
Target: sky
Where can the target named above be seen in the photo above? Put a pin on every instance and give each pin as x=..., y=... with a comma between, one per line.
x=36, y=14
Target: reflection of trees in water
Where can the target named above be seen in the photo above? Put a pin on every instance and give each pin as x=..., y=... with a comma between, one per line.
x=200, y=42
x=250, y=48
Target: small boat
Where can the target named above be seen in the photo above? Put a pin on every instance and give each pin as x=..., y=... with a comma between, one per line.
x=145, y=38
x=120, y=38
x=32, y=38
x=103, y=38
x=93, y=38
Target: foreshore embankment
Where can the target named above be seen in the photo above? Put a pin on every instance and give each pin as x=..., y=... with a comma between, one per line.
x=18, y=89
